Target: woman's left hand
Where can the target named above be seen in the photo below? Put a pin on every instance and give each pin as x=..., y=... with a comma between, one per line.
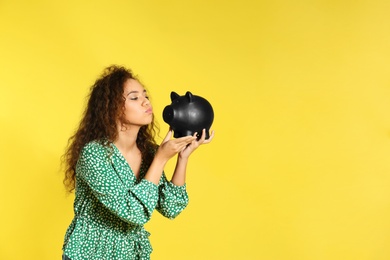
x=186, y=152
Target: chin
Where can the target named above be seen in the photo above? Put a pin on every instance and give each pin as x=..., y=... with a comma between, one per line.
x=148, y=123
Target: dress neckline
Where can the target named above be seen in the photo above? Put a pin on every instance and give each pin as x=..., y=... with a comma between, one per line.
x=118, y=153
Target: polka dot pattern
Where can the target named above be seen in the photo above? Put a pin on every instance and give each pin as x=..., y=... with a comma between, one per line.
x=111, y=206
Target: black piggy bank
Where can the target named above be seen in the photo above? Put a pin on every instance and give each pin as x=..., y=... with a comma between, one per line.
x=188, y=114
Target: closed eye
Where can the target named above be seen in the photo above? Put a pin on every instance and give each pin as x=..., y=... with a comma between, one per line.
x=134, y=92
x=136, y=98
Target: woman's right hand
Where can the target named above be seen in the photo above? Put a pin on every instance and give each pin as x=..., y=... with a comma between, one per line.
x=170, y=147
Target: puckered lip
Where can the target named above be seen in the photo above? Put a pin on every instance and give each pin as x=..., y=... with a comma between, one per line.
x=149, y=111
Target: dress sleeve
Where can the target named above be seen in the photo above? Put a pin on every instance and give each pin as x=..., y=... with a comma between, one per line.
x=172, y=199
x=134, y=205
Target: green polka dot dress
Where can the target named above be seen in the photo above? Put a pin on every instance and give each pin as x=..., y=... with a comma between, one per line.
x=111, y=206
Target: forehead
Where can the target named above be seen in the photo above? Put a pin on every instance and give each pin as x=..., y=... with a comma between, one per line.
x=132, y=85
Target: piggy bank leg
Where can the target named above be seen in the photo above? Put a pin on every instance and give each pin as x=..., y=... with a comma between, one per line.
x=182, y=133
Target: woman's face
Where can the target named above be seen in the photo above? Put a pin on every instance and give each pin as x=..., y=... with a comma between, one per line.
x=138, y=109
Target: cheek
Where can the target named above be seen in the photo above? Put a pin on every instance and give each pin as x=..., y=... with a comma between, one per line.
x=128, y=106
x=130, y=110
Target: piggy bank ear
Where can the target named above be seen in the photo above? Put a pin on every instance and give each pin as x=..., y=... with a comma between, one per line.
x=174, y=95
x=189, y=96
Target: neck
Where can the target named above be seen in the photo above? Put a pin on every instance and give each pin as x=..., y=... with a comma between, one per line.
x=126, y=140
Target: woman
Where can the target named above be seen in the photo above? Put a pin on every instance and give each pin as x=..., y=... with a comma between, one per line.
x=116, y=169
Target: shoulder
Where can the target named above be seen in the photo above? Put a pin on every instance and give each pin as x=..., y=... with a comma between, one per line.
x=97, y=147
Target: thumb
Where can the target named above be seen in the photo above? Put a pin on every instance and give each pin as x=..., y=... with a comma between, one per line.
x=168, y=136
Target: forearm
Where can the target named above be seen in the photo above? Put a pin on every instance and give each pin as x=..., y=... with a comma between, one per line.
x=155, y=170
x=179, y=175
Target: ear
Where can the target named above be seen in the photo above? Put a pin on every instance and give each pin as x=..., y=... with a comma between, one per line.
x=174, y=95
x=189, y=96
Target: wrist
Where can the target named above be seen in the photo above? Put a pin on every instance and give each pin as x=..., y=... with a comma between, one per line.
x=160, y=159
x=182, y=159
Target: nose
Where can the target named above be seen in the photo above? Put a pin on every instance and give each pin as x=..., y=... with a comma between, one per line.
x=146, y=101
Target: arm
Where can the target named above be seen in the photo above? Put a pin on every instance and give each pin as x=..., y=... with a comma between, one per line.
x=173, y=197
x=166, y=150
x=134, y=205
x=179, y=175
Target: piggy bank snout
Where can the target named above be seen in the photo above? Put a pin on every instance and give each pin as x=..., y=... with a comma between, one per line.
x=168, y=114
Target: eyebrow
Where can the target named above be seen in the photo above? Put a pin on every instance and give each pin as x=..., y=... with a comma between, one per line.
x=135, y=91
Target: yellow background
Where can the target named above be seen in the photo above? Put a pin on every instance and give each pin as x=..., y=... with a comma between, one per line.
x=299, y=168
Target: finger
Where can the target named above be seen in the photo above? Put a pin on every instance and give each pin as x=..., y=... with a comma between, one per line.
x=179, y=145
x=210, y=138
x=185, y=139
x=182, y=146
x=203, y=137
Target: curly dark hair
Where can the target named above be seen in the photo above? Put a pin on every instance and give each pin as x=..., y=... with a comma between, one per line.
x=99, y=122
